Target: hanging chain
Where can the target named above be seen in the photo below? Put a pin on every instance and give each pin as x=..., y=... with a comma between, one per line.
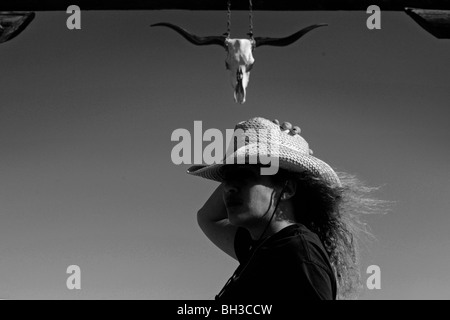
x=250, y=33
x=251, y=18
x=229, y=19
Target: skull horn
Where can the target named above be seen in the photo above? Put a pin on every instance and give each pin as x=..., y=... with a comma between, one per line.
x=199, y=41
x=281, y=42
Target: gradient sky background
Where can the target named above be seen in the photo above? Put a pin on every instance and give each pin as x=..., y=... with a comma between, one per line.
x=86, y=119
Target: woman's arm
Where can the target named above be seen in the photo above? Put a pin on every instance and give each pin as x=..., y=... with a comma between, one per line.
x=213, y=220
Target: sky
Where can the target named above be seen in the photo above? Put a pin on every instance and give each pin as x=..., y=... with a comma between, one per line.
x=86, y=118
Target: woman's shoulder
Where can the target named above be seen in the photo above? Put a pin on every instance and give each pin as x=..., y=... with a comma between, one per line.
x=300, y=244
x=295, y=243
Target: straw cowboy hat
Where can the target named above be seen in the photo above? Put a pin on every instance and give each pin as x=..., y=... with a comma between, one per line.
x=264, y=138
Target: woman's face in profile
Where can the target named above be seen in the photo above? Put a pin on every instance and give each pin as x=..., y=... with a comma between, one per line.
x=248, y=195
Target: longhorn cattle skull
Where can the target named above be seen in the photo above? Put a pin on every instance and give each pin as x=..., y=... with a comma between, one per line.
x=239, y=52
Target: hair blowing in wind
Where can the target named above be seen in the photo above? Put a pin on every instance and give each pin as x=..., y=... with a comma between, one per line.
x=336, y=215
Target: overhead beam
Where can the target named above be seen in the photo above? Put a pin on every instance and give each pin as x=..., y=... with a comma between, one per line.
x=12, y=24
x=271, y=5
x=433, y=15
x=436, y=22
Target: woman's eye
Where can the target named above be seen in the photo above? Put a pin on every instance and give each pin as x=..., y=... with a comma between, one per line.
x=232, y=173
x=232, y=176
x=245, y=175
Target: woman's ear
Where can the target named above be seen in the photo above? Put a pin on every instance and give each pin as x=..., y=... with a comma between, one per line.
x=290, y=187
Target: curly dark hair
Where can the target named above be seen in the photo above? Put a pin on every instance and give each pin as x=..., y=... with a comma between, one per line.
x=335, y=215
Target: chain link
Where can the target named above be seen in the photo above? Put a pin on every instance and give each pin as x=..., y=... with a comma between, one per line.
x=229, y=19
x=251, y=18
x=250, y=33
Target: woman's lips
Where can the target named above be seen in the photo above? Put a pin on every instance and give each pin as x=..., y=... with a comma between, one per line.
x=233, y=203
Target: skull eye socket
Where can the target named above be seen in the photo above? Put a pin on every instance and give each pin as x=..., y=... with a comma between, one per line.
x=250, y=67
x=227, y=65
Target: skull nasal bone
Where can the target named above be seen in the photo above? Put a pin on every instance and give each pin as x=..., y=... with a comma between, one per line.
x=240, y=75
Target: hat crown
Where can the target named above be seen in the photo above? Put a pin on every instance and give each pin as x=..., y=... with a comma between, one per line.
x=264, y=131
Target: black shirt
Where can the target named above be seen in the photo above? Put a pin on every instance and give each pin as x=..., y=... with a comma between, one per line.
x=290, y=264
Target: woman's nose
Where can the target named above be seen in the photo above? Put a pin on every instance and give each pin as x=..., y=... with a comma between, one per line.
x=230, y=187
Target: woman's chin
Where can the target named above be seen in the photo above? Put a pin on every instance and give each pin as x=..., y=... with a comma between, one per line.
x=236, y=215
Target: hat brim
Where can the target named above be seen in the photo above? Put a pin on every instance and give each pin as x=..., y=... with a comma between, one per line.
x=288, y=159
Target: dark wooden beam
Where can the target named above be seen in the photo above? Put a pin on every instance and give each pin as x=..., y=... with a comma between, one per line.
x=272, y=5
x=436, y=22
x=12, y=24
x=433, y=15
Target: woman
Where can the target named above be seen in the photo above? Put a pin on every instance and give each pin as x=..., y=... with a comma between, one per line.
x=294, y=232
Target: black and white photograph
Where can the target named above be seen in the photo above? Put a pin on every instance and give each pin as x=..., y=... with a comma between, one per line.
x=244, y=150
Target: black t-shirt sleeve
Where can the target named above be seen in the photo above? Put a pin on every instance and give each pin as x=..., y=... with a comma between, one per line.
x=317, y=280
x=307, y=265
